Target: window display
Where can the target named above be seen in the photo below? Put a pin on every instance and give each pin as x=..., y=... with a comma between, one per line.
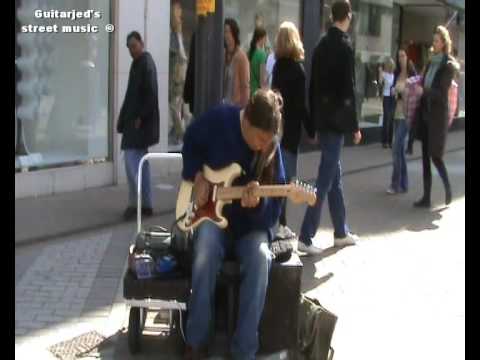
x=61, y=87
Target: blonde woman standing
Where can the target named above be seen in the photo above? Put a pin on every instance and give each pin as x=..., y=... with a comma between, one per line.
x=432, y=125
x=289, y=80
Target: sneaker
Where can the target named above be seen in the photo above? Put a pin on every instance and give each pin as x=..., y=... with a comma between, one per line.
x=130, y=213
x=350, y=239
x=391, y=191
x=309, y=250
x=284, y=232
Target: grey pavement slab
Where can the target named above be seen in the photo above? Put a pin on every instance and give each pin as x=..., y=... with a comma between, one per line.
x=56, y=284
x=59, y=215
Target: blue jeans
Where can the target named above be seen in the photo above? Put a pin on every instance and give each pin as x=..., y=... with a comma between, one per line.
x=132, y=160
x=290, y=164
x=209, y=247
x=399, y=175
x=329, y=182
x=387, y=127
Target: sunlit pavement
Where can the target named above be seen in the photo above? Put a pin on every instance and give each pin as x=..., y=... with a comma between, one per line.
x=399, y=294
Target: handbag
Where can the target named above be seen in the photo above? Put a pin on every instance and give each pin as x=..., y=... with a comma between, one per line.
x=315, y=330
x=452, y=102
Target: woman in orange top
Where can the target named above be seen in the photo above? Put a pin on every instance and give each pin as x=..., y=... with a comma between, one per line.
x=236, y=80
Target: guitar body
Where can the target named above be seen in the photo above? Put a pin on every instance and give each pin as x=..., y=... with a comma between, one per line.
x=212, y=211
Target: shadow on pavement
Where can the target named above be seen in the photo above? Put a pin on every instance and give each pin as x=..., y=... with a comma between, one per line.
x=309, y=281
x=161, y=347
x=427, y=222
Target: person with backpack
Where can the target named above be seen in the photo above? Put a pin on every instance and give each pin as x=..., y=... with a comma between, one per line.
x=433, y=119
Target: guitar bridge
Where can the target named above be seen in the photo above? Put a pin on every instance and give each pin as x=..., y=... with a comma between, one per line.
x=214, y=193
x=190, y=214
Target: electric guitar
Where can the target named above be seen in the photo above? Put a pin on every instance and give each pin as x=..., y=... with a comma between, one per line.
x=221, y=193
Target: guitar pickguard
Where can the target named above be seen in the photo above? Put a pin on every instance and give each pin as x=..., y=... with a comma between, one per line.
x=207, y=211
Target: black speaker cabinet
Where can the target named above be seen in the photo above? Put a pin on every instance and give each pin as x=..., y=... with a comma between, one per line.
x=278, y=327
x=279, y=324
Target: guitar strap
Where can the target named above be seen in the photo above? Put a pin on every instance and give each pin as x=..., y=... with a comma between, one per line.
x=260, y=161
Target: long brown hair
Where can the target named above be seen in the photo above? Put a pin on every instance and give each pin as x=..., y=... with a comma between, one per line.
x=264, y=111
x=258, y=34
x=442, y=31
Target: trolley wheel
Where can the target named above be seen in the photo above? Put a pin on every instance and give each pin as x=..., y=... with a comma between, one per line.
x=136, y=322
x=178, y=326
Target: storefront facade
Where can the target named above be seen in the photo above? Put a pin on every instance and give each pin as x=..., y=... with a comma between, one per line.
x=70, y=87
x=69, y=90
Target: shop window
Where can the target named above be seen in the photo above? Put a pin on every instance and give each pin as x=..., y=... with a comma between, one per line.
x=267, y=13
x=62, y=85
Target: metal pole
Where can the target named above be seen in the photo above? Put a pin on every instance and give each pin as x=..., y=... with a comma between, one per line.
x=455, y=13
x=312, y=17
x=139, y=180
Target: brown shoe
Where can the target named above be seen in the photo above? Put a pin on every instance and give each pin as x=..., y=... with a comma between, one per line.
x=192, y=353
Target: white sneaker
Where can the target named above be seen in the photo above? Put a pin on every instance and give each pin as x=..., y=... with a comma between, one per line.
x=350, y=239
x=391, y=191
x=310, y=250
x=285, y=232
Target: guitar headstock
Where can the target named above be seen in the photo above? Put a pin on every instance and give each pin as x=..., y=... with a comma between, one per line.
x=301, y=192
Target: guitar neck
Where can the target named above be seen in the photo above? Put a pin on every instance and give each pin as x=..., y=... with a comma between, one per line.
x=235, y=192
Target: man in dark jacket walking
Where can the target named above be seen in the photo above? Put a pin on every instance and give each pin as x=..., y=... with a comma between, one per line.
x=332, y=104
x=139, y=122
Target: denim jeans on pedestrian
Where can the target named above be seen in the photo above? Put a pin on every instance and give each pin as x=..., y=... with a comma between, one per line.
x=399, y=175
x=132, y=160
x=387, y=127
x=290, y=164
x=328, y=183
x=210, y=245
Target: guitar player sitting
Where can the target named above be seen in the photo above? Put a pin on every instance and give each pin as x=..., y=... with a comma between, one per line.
x=220, y=137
